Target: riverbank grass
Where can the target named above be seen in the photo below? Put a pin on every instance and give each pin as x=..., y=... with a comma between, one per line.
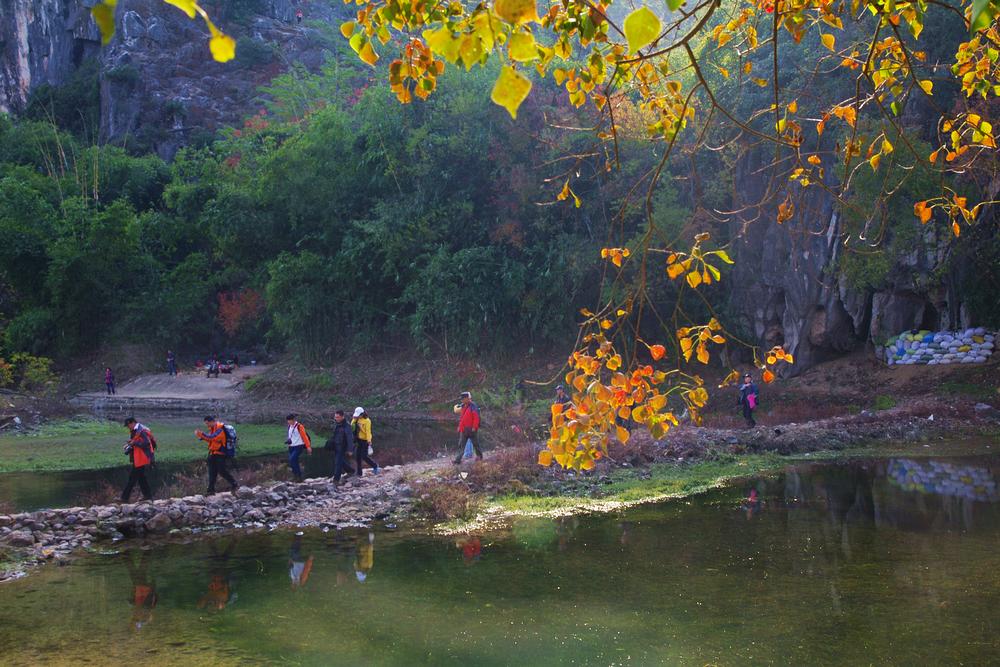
x=90, y=444
x=638, y=485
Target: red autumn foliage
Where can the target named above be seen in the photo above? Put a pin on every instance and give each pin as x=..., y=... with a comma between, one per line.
x=237, y=308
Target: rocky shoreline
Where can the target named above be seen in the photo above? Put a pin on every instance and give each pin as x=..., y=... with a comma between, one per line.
x=33, y=538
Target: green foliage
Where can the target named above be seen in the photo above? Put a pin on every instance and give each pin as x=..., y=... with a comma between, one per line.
x=29, y=372
x=883, y=402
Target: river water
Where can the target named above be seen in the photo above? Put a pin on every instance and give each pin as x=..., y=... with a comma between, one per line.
x=890, y=561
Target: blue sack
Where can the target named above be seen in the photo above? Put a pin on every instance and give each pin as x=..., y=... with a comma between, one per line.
x=468, y=449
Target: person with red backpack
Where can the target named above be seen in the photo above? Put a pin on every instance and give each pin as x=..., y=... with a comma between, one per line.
x=215, y=436
x=140, y=449
x=468, y=426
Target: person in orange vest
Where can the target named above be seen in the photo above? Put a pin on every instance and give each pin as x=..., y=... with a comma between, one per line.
x=297, y=441
x=215, y=436
x=139, y=448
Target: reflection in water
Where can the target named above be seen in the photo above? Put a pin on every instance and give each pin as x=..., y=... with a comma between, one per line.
x=944, y=478
x=366, y=556
x=837, y=565
x=219, y=594
x=299, y=568
x=143, y=590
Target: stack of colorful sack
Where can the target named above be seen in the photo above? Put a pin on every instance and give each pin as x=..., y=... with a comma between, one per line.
x=972, y=346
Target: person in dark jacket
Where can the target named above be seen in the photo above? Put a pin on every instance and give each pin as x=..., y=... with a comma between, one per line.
x=340, y=443
x=109, y=381
x=171, y=363
x=748, y=399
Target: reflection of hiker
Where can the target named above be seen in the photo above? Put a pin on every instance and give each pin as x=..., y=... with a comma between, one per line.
x=298, y=567
x=109, y=381
x=219, y=593
x=472, y=548
x=468, y=426
x=748, y=399
x=362, y=425
x=365, y=559
x=144, y=596
x=215, y=436
x=171, y=363
x=340, y=442
x=297, y=441
x=751, y=503
x=140, y=449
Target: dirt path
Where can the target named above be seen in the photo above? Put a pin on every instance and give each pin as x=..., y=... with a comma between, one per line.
x=185, y=385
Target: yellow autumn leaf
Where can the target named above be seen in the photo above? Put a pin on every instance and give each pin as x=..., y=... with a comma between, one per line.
x=186, y=6
x=674, y=270
x=516, y=12
x=874, y=161
x=510, y=90
x=223, y=47
x=829, y=41
x=642, y=27
x=104, y=17
x=443, y=43
x=347, y=29
x=927, y=86
x=545, y=458
x=702, y=353
x=793, y=107
x=367, y=54
x=694, y=279
x=622, y=433
x=522, y=47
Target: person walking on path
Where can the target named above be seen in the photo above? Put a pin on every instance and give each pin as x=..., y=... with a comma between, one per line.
x=215, y=436
x=562, y=398
x=468, y=426
x=297, y=441
x=340, y=443
x=109, y=381
x=748, y=399
x=362, y=426
x=140, y=448
x=171, y=364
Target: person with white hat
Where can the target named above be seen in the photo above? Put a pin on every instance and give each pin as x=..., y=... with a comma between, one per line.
x=362, y=426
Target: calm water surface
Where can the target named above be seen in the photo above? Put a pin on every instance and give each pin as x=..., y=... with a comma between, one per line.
x=879, y=562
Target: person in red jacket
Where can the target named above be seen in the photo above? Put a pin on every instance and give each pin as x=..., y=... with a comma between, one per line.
x=468, y=426
x=215, y=436
x=140, y=448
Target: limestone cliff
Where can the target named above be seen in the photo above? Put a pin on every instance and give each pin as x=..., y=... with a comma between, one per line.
x=159, y=85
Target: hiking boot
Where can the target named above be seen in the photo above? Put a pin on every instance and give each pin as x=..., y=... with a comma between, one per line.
x=377, y=471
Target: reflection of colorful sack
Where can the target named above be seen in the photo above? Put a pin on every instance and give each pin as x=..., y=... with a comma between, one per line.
x=944, y=478
x=752, y=401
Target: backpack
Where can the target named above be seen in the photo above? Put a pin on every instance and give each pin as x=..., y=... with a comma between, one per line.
x=231, y=439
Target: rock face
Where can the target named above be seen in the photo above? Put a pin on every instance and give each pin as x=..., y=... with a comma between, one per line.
x=788, y=289
x=159, y=85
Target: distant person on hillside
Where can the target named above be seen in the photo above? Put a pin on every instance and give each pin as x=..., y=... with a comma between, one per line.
x=109, y=381
x=562, y=398
x=171, y=363
x=339, y=444
x=215, y=436
x=362, y=427
x=468, y=426
x=748, y=399
x=140, y=449
x=298, y=16
x=297, y=441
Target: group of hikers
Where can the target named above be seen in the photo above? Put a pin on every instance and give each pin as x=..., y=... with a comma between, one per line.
x=354, y=437
x=348, y=438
